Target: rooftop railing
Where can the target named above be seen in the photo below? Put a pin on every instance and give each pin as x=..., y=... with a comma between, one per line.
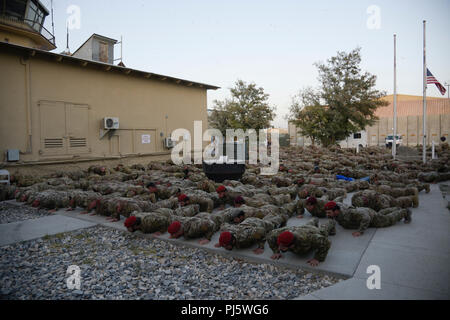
x=29, y=25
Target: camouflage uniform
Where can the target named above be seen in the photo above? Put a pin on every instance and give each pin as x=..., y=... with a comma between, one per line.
x=207, y=186
x=187, y=211
x=157, y=221
x=171, y=203
x=306, y=238
x=291, y=190
x=258, y=200
x=372, y=199
x=319, y=207
x=334, y=193
x=309, y=190
x=253, y=230
x=431, y=177
x=363, y=218
x=228, y=199
x=281, y=199
x=397, y=192
x=52, y=199
x=100, y=170
x=196, y=227
x=83, y=199
x=7, y=192
x=206, y=204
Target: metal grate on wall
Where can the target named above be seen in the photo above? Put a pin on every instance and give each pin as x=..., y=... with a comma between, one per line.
x=78, y=142
x=54, y=143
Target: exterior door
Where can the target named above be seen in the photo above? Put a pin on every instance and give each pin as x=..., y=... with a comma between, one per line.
x=77, y=128
x=64, y=128
x=53, y=128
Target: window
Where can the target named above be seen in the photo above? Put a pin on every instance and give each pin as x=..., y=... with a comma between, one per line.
x=357, y=136
x=35, y=16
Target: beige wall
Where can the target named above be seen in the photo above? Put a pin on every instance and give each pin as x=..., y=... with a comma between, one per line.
x=411, y=129
x=74, y=99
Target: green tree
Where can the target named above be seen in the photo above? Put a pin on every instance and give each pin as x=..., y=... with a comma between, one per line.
x=248, y=108
x=344, y=103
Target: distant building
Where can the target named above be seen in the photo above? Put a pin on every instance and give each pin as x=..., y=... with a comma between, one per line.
x=82, y=109
x=409, y=123
x=410, y=120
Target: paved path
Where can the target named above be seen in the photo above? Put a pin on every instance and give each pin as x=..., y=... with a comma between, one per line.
x=37, y=228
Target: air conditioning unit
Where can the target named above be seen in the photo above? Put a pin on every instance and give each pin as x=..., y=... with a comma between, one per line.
x=168, y=143
x=111, y=123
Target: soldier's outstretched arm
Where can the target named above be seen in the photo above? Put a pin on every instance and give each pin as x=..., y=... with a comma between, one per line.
x=365, y=222
x=272, y=241
x=260, y=249
x=321, y=245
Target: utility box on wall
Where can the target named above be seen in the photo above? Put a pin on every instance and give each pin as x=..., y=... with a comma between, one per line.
x=12, y=155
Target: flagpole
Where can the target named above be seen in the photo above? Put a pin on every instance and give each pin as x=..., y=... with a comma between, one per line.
x=424, y=94
x=394, y=144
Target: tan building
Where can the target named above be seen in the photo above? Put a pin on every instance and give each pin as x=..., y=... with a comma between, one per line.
x=57, y=108
x=409, y=122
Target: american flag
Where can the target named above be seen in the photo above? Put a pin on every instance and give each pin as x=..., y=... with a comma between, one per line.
x=431, y=79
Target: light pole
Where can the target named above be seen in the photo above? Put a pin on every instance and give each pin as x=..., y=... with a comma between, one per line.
x=448, y=89
x=394, y=143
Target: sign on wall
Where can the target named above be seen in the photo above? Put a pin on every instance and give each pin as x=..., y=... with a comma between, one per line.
x=146, y=139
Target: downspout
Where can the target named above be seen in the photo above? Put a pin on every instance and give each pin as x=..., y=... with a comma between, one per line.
x=25, y=61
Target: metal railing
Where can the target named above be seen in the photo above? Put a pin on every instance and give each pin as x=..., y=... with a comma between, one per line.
x=29, y=25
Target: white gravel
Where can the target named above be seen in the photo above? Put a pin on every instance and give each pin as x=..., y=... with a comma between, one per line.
x=118, y=265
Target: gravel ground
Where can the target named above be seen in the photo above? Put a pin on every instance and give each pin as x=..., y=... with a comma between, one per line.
x=118, y=265
x=10, y=213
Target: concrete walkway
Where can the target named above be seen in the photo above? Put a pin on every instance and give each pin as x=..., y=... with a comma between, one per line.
x=413, y=258
x=37, y=228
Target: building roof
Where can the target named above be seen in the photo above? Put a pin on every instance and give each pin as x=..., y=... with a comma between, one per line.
x=407, y=97
x=105, y=67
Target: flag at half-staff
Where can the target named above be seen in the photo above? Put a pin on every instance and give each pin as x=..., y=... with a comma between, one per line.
x=432, y=80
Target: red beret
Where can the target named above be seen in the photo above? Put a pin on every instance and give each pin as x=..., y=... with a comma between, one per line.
x=311, y=200
x=330, y=205
x=285, y=238
x=130, y=222
x=174, y=227
x=182, y=197
x=225, y=238
x=239, y=200
x=221, y=189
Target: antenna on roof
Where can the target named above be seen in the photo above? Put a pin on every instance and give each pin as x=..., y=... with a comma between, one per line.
x=53, y=21
x=121, y=53
x=67, y=50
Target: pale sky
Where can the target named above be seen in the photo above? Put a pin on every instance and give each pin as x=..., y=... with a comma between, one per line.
x=271, y=43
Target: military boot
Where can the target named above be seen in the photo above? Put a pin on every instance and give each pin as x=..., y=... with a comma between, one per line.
x=415, y=200
x=408, y=216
